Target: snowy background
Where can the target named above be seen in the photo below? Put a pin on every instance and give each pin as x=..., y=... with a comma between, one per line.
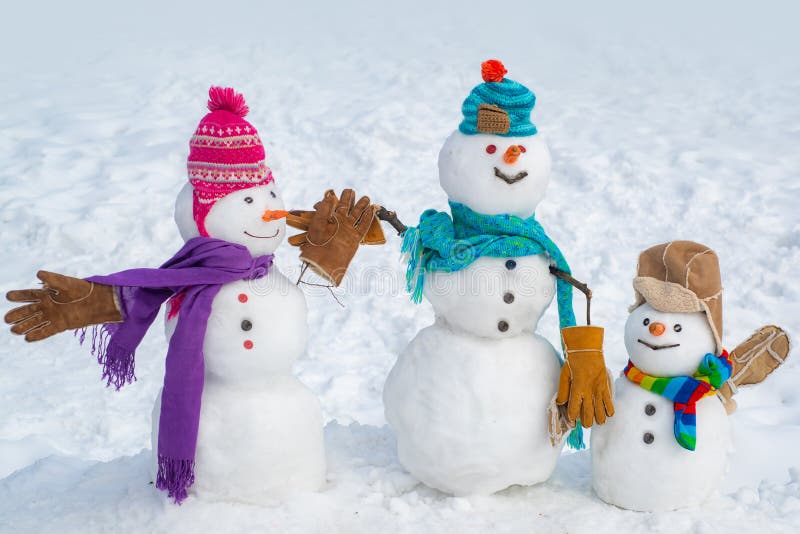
x=678, y=121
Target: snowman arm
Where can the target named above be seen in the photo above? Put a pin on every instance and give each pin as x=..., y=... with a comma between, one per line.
x=62, y=303
x=301, y=219
x=391, y=218
x=577, y=284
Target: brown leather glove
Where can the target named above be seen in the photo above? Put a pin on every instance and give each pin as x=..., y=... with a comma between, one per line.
x=300, y=219
x=584, y=386
x=63, y=303
x=334, y=232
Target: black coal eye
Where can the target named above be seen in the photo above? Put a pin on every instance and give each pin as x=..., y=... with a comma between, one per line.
x=249, y=200
x=273, y=195
x=646, y=321
x=677, y=328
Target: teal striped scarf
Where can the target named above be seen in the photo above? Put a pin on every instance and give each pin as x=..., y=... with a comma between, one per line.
x=442, y=244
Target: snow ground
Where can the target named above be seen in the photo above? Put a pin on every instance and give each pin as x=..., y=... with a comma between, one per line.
x=664, y=122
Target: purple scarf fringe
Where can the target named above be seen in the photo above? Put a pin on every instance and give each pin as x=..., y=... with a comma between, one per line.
x=118, y=362
x=175, y=476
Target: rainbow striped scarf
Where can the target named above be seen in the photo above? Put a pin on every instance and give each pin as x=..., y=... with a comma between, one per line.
x=685, y=391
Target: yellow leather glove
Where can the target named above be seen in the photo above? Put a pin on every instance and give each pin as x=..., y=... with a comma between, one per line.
x=584, y=385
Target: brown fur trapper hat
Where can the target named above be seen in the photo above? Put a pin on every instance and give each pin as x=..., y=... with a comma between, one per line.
x=681, y=276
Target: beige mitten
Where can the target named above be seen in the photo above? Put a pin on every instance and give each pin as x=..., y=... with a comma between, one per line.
x=753, y=360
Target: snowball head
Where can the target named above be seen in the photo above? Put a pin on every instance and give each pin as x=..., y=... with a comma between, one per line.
x=685, y=339
x=237, y=218
x=475, y=170
x=183, y=214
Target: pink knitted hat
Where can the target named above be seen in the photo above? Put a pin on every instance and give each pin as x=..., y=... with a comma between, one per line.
x=225, y=153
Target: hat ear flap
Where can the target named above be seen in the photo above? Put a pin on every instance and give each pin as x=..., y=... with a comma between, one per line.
x=492, y=119
x=712, y=307
x=201, y=205
x=638, y=302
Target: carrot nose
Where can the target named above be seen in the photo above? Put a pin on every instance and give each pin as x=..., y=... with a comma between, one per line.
x=657, y=328
x=511, y=155
x=274, y=215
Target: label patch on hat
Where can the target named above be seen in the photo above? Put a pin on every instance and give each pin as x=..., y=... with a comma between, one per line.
x=492, y=119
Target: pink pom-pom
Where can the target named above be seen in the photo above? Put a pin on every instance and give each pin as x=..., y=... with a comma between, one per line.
x=227, y=99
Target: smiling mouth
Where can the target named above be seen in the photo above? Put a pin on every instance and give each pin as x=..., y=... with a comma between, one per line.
x=510, y=179
x=263, y=236
x=657, y=347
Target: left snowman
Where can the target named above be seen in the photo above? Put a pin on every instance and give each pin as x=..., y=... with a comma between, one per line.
x=231, y=421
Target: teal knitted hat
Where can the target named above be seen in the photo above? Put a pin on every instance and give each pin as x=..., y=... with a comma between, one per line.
x=499, y=106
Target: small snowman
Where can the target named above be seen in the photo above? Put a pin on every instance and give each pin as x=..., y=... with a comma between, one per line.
x=666, y=447
x=231, y=421
x=468, y=398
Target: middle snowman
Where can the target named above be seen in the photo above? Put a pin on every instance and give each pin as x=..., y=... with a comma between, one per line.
x=468, y=398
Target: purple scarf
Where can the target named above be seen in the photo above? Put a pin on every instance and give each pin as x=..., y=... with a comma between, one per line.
x=198, y=270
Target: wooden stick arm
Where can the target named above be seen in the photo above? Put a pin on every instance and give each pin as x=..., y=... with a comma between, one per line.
x=391, y=218
x=577, y=284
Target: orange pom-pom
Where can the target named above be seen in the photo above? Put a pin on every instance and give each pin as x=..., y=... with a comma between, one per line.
x=493, y=70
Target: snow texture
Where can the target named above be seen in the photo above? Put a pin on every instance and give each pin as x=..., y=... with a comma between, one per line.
x=663, y=122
